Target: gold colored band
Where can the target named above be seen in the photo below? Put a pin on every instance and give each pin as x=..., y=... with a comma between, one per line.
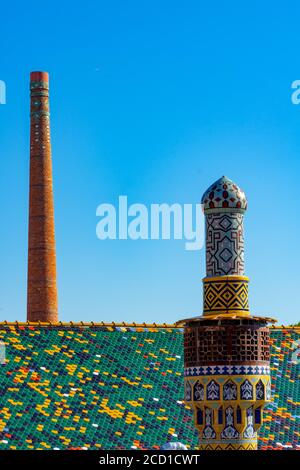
x=226, y=295
x=225, y=278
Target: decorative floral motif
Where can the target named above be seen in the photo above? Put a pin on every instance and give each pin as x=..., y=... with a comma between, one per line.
x=246, y=390
x=229, y=391
x=188, y=391
x=260, y=390
x=208, y=432
x=229, y=432
x=213, y=391
x=249, y=432
x=198, y=392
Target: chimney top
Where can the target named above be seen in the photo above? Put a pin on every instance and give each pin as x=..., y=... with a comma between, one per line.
x=39, y=77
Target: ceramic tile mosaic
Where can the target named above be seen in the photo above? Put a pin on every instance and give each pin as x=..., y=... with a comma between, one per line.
x=119, y=388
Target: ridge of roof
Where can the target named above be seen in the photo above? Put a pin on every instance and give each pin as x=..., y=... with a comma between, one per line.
x=90, y=324
x=82, y=324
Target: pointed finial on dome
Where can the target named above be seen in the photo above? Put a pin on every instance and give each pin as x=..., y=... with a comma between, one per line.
x=224, y=196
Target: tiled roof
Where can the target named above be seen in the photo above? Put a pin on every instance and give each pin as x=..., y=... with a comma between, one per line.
x=109, y=387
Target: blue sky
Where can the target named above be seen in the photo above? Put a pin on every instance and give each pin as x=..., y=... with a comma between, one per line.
x=154, y=100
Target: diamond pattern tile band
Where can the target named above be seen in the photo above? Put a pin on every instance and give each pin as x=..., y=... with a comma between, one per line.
x=225, y=294
x=227, y=370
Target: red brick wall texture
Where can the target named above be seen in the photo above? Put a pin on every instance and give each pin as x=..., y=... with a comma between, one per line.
x=41, y=287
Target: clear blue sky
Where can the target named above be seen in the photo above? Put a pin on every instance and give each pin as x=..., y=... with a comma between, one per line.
x=154, y=100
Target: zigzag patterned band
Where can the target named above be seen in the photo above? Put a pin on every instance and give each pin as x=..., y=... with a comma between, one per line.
x=232, y=445
x=225, y=294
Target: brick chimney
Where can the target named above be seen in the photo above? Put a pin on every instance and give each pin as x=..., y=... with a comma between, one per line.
x=41, y=284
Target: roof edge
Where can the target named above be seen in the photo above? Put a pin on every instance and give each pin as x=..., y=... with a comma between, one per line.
x=89, y=324
x=117, y=325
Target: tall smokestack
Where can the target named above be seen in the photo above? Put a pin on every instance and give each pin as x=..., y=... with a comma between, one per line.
x=41, y=287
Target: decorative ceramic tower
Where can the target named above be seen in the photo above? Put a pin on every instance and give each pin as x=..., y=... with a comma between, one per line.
x=227, y=373
x=41, y=289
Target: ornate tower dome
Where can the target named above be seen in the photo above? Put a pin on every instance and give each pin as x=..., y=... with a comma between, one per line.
x=224, y=196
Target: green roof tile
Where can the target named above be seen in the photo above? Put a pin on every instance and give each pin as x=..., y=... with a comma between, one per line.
x=73, y=387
